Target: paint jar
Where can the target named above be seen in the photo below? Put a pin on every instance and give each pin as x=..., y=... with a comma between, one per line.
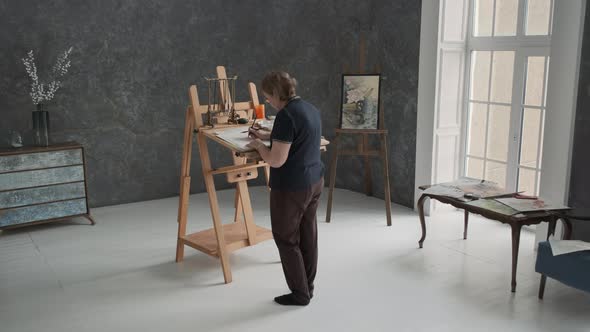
x=260, y=111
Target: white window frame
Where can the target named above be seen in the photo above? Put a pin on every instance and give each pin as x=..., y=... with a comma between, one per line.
x=566, y=31
x=523, y=46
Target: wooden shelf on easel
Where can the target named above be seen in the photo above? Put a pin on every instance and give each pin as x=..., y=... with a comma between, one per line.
x=235, y=236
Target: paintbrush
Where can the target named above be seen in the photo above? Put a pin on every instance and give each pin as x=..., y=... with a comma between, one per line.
x=253, y=122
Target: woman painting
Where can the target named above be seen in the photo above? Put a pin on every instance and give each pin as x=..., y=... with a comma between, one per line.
x=296, y=181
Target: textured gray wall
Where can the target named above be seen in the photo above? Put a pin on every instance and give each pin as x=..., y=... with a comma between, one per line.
x=579, y=196
x=125, y=96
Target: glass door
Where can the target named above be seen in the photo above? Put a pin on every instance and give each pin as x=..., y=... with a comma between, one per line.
x=505, y=105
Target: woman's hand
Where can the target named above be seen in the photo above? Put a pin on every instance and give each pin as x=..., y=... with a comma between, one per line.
x=259, y=134
x=256, y=144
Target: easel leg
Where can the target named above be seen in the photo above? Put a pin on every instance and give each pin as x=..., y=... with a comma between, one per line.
x=239, y=209
x=368, y=177
x=386, y=178
x=333, y=165
x=248, y=215
x=214, y=205
x=185, y=183
x=182, y=218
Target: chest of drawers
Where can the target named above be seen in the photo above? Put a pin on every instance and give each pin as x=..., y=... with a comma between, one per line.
x=42, y=184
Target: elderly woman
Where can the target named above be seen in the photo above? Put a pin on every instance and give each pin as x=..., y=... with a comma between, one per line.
x=296, y=181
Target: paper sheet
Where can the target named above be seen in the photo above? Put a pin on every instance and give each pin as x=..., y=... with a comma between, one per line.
x=467, y=189
x=445, y=191
x=492, y=205
x=560, y=247
x=478, y=188
x=527, y=205
x=237, y=137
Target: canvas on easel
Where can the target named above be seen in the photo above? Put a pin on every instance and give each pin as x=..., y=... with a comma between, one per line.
x=360, y=101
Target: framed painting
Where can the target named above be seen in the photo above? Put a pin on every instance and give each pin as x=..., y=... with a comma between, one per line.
x=360, y=101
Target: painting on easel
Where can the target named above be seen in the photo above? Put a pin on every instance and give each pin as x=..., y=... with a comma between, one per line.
x=360, y=101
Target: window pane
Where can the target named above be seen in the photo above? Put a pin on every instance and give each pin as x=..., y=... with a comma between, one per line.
x=480, y=75
x=542, y=137
x=531, y=125
x=474, y=168
x=546, y=79
x=538, y=17
x=506, y=17
x=498, y=132
x=535, y=79
x=526, y=181
x=483, y=15
x=476, y=139
x=496, y=172
x=502, y=73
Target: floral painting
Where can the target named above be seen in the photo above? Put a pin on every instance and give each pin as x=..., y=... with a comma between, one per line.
x=360, y=101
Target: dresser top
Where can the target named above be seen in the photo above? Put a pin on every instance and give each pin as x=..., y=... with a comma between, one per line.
x=33, y=149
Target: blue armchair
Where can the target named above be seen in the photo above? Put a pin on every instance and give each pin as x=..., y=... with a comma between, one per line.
x=572, y=269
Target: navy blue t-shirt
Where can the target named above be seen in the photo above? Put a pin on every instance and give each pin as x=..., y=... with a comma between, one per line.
x=300, y=124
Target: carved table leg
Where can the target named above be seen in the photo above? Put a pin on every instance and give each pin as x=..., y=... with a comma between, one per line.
x=515, y=244
x=551, y=228
x=422, y=221
x=466, y=223
x=568, y=229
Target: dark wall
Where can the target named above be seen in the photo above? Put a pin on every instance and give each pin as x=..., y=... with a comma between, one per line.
x=126, y=93
x=579, y=196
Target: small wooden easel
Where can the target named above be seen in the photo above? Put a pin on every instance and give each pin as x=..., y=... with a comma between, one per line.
x=222, y=238
x=362, y=150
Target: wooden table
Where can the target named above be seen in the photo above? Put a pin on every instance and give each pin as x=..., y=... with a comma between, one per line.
x=515, y=221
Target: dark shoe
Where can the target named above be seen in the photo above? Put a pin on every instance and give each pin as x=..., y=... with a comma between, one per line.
x=290, y=299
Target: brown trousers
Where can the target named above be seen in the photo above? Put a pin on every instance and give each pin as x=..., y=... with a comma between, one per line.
x=294, y=227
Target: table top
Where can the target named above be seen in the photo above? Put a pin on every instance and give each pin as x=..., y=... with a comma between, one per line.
x=522, y=217
x=33, y=149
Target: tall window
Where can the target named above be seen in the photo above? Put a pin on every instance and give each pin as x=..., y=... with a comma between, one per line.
x=508, y=48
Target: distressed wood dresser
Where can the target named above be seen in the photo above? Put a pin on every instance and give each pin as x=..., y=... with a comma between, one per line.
x=42, y=184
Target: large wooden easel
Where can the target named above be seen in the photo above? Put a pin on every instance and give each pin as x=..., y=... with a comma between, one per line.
x=222, y=239
x=362, y=149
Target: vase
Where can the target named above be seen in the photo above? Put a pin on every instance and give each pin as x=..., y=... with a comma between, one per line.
x=40, y=126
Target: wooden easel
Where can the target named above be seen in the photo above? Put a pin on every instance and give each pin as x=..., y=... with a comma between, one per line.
x=222, y=239
x=362, y=150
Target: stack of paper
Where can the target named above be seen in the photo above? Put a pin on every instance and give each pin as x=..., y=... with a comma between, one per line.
x=467, y=189
x=237, y=137
x=560, y=247
x=493, y=205
x=528, y=205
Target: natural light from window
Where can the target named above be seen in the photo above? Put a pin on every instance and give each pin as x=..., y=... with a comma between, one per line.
x=507, y=78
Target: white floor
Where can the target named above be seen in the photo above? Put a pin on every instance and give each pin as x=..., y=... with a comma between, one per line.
x=120, y=275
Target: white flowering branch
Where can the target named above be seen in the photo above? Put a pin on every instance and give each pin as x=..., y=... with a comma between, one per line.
x=41, y=92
